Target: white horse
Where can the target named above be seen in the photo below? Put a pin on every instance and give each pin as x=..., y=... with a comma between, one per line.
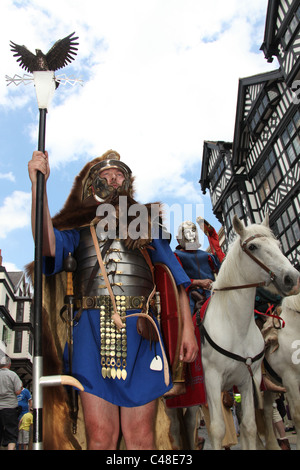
x=285, y=368
x=253, y=260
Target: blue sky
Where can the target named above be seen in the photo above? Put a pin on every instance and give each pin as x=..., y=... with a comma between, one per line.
x=160, y=77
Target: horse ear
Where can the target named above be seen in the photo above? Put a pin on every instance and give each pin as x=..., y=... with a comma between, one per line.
x=266, y=220
x=238, y=225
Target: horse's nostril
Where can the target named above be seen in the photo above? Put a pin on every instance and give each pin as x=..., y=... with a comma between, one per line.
x=288, y=281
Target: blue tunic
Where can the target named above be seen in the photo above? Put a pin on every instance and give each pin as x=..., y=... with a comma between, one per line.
x=198, y=264
x=142, y=384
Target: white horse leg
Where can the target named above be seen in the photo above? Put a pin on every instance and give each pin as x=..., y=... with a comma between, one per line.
x=190, y=419
x=248, y=424
x=293, y=397
x=271, y=441
x=217, y=424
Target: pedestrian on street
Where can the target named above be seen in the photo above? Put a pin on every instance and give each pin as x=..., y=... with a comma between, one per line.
x=24, y=402
x=25, y=426
x=10, y=387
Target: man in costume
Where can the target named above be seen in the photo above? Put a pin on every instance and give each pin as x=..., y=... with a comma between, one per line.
x=200, y=266
x=121, y=371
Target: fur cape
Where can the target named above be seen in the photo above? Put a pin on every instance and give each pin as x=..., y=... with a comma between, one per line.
x=57, y=424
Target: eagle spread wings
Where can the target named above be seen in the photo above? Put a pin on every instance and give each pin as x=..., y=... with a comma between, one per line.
x=60, y=54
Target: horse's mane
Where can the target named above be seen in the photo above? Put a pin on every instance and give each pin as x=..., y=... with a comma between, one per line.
x=230, y=269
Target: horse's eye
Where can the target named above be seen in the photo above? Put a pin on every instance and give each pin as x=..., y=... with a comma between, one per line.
x=251, y=247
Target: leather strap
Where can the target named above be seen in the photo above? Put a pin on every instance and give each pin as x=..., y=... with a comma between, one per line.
x=116, y=317
x=247, y=360
x=257, y=261
x=146, y=255
x=244, y=286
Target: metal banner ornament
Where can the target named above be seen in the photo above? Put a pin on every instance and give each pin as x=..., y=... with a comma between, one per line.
x=42, y=67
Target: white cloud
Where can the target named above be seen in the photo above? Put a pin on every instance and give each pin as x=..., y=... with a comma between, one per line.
x=161, y=77
x=11, y=267
x=158, y=90
x=8, y=176
x=15, y=212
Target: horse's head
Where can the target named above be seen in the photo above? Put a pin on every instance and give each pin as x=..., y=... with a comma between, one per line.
x=261, y=255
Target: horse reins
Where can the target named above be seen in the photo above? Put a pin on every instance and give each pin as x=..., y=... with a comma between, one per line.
x=257, y=261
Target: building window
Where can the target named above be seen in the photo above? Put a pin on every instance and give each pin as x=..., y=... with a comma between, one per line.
x=259, y=113
x=232, y=206
x=20, y=311
x=7, y=302
x=5, y=334
x=263, y=110
x=31, y=314
x=291, y=140
x=30, y=345
x=291, y=28
x=287, y=226
x=267, y=177
x=18, y=342
x=217, y=173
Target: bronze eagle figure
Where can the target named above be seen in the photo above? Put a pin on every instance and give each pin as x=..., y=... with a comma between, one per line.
x=60, y=54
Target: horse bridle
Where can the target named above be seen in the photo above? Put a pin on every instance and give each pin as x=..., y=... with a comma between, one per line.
x=257, y=261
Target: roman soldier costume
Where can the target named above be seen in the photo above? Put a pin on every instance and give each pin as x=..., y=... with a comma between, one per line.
x=114, y=289
x=198, y=264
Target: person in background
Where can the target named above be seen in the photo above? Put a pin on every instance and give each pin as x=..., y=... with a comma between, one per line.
x=24, y=402
x=10, y=387
x=25, y=424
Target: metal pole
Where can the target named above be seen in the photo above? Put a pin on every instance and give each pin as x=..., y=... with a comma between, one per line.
x=38, y=280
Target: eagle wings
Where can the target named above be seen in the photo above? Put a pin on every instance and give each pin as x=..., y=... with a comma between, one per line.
x=60, y=54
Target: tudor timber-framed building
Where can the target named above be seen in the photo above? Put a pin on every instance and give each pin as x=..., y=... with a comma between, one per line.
x=260, y=171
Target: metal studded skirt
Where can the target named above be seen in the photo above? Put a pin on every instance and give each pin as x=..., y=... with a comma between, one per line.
x=113, y=350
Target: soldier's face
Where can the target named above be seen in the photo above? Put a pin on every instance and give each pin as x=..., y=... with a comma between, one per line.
x=113, y=176
x=190, y=233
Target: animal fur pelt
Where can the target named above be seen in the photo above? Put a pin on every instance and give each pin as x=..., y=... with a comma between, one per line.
x=75, y=213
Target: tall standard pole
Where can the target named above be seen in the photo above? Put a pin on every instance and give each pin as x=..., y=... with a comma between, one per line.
x=38, y=300
x=61, y=53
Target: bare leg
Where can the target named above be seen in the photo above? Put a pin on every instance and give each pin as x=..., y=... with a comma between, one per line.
x=138, y=426
x=101, y=421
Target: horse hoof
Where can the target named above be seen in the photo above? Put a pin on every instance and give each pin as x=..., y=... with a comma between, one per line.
x=200, y=443
x=284, y=444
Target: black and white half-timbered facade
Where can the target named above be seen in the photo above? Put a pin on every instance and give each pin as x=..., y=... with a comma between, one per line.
x=282, y=37
x=260, y=171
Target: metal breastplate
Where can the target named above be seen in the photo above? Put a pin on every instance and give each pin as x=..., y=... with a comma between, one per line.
x=127, y=270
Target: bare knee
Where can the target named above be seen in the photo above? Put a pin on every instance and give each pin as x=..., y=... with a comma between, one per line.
x=101, y=436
